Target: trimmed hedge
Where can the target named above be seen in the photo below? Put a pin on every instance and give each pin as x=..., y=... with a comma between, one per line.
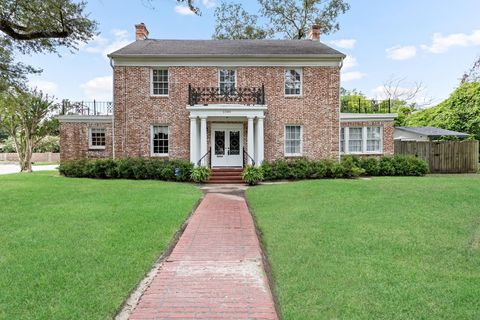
x=348, y=167
x=128, y=168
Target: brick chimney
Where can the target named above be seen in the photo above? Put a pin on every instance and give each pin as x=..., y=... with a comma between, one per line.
x=141, y=32
x=314, y=33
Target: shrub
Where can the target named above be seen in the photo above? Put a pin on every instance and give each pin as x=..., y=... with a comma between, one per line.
x=370, y=165
x=47, y=144
x=321, y=169
x=350, y=167
x=300, y=169
x=129, y=168
x=252, y=175
x=200, y=174
x=386, y=167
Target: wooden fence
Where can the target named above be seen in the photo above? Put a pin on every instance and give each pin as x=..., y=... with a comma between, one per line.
x=443, y=156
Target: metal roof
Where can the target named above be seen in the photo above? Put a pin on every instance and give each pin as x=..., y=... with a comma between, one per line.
x=244, y=48
x=433, y=132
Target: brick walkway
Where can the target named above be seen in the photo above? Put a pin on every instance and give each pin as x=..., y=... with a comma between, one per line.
x=215, y=271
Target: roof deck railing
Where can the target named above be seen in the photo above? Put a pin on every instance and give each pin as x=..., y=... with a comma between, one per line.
x=362, y=105
x=217, y=95
x=87, y=108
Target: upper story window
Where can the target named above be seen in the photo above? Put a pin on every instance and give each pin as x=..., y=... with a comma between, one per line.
x=227, y=80
x=293, y=140
x=160, y=141
x=159, y=82
x=361, y=140
x=293, y=82
x=96, y=138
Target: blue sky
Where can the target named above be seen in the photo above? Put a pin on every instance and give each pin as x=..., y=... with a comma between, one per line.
x=426, y=41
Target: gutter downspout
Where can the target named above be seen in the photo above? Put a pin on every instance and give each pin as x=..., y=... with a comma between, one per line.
x=113, y=108
x=340, y=65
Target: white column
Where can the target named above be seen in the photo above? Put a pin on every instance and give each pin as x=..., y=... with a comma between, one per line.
x=250, y=140
x=260, y=141
x=203, y=139
x=193, y=140
x=255, y=137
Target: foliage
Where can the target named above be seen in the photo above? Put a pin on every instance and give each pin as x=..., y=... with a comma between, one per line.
x=129, y=168
x=233, y=22
x=293, y=18
x=460, y=112
x=27, y=116
x=252, y=175
x=82, y=244
x=200, y=174
x=373, y=249
x=38, y=26
x=348, y=167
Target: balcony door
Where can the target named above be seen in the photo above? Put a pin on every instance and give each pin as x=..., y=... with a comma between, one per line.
x=227, y=145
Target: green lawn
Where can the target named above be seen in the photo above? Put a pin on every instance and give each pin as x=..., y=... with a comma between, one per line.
x=386, y=248
x=75, y=248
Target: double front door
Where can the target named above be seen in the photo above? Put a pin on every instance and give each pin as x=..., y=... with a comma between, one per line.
x=227, y=145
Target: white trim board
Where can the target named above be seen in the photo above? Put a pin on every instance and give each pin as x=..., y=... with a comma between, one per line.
x=226, y=62
x=347, y=117
x=86, y=119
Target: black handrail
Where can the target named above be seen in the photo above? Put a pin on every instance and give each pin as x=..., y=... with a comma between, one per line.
x=199, y=162
x=245, y=152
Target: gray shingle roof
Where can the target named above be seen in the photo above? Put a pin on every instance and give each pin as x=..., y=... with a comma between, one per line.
x=253, y=48
x=433, y=132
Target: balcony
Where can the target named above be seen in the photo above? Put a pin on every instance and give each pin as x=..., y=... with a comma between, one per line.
x=215, y=95
x=87, y=108
x=362, y=105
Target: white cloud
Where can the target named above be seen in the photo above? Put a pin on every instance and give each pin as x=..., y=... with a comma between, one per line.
x=442, y=43
x=104, y=46
x=47, y=87
x=99, y=88
x=344, y=43
x=209, y=3
x=349, y=62
x=401, y=53
x=352, y=75
x=183, y=10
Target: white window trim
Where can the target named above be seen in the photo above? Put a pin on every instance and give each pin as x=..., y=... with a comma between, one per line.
x=364, y=141
x=92, y=147
x=151, y=82
x=285, y=141
x=300, y=71
x=227, y=68
x=152, y=154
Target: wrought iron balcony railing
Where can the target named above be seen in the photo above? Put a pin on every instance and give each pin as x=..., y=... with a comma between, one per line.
x=87, y=108
x=362, y=105
x=216, y=95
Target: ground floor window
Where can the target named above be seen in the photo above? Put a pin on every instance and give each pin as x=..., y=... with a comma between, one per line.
x=160, y=143
x=96, y=138
x=360, y=140
x=293, y=140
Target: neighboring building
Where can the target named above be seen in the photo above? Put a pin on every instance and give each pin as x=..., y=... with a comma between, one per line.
x=425, y=133
x=224, y=103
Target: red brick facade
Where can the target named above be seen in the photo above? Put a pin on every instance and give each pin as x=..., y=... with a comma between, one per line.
x=317, y=110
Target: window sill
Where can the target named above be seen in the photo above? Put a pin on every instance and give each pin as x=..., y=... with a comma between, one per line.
x=159, y=96
x=293, y=96
x=160, y=155
x=379, y=153
x=293, y=155
x=96, y=148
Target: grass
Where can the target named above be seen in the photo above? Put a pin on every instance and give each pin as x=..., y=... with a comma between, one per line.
x=75, y=248
x=385, y=248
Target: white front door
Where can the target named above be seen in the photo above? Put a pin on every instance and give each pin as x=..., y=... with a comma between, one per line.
x=227, y=145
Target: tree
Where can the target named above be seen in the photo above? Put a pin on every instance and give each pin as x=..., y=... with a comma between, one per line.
x=293, y=18
x=398, y=89
x=473, y=75
x=233, y=22
x=460, y=112
x=27, y=116
x=36, y=26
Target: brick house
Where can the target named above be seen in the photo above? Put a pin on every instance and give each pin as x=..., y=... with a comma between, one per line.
x=224, y=103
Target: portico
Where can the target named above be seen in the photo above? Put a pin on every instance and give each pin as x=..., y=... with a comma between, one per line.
x=227, y=134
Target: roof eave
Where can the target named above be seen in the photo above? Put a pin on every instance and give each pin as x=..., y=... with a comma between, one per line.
x=229, y=56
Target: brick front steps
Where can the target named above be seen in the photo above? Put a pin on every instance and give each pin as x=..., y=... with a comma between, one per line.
x=226, y=175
